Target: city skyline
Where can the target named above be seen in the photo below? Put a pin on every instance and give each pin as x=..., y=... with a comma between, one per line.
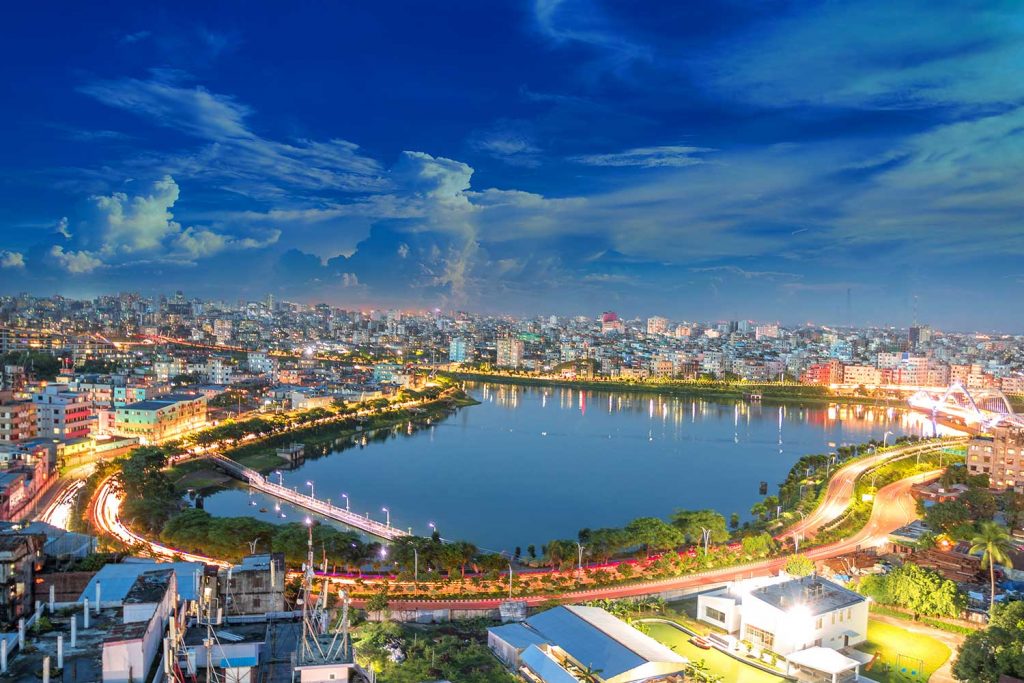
x=780, y=161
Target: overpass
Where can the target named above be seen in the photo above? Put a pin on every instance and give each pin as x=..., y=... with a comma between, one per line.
x=260, y=483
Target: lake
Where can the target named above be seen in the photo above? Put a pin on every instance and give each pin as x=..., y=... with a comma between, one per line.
x=530, y=464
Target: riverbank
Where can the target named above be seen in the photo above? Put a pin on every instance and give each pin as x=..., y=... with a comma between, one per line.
x=318, y=441
x=770, y=393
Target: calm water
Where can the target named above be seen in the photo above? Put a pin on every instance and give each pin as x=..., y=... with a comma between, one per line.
x=532, y=464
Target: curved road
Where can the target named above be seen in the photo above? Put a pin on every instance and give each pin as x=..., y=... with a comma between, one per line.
x=840, y=489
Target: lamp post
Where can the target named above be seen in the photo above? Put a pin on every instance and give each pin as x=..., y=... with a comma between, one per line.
x=312, y=490
x=280, y=477
x=433, y=529
x=579, y=565
x=347, y=508
x=884, y=437
x=388, y=513
x=705, y=537
x=415, y=565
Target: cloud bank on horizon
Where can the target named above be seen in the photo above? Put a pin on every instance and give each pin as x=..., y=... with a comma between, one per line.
x=698, y=160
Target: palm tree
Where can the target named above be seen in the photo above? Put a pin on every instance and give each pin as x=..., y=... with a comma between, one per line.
x=591, y=675
x=993, y=542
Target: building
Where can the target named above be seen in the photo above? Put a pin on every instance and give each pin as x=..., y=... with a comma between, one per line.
x=999, y=454
x=509, y=352
x=457, y=350
x=17, y=419
x=657, y=325
x=610, y=323
x=130, y=648
x=62, y=414
x=862, y=375
x=17, y=574
x=255, y=586
x=159, y=419
x=787, y=615
x=547, y=645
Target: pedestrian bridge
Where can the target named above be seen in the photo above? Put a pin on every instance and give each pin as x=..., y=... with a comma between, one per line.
x=260, y=483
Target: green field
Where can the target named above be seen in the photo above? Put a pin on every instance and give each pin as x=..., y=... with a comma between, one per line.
x=723, y=665
x=905, y=656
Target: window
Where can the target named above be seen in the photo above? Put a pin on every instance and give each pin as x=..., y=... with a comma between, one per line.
x=714, y=614
x=817, y=623
x=760, y=637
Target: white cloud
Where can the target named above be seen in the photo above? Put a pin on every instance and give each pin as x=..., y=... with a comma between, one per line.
x=11, y=259
x=62, y=228
x=647, y=157
x=247, y=162
x=139, y=223
x=76, y=262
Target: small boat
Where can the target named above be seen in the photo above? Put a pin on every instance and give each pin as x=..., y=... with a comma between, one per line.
x=700, y=642
x=263, y=509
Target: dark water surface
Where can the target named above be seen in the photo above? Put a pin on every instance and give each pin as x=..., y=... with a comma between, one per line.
x=531, y=464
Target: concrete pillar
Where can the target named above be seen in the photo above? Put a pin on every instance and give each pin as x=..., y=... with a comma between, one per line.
x=60, y=651
x=85, y=614
x=21, y=634
x=53, y=596
x=98, y=594
x=39, y=609
x=3, y=656
x=168, y=662
x=46, y=669
x=74, y=630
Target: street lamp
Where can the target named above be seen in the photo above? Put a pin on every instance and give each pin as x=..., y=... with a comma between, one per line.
x=433, y=529
x=884, y=437
x=579, y=565
x=706, y=536
x=280, y=477
x=347, y=508
x=312, y=490
x=388, y=513
x=416, y=565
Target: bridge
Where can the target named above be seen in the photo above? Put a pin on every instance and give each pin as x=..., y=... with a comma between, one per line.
x=975, y=409
x=260, y=483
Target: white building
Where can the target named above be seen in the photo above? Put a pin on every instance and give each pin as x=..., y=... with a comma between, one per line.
x=130, y=649
x=457, y=350
x=794, y=618
x=509, y=352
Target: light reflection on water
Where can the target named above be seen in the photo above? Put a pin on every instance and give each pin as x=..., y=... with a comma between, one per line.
x=530, y=464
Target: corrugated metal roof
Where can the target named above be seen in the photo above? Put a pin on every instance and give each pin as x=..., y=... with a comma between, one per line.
x=117, y=579
x=547, y=669
x=518, y=636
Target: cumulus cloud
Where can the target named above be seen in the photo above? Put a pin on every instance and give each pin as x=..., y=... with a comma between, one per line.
x=139, y=223
x=75, y=262
x=12, y=259
x=647, y=157
x=62, y=228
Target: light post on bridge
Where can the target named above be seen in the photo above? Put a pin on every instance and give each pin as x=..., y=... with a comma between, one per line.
x=312, y=490
x=347, y=508
x=433, y=530
x=388, y=513
x=280, y=478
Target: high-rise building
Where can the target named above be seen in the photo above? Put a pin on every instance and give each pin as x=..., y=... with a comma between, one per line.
x=457, y=350
x=610, y=323
x=657, y=325
x=17, y=419
x=510, y=352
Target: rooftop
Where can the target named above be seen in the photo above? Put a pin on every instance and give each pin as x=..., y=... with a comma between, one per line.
x=118, y=579
x=149, y=587
x=819, y=595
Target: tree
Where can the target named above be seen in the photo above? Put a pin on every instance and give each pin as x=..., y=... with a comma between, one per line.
x=915, y=588
x=799, y=565
x=378, y=602
x=981, y=503
x=654, y=534
x=693, y=522
x=999, y=649
x=948, y=516
x=758, y=546
x=1012, y=505
x=994, y=544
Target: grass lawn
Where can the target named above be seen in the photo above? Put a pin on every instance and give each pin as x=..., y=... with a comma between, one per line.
x=731, y=670
x=902, y=654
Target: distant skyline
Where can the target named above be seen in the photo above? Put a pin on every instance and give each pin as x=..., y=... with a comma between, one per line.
x=703, y=160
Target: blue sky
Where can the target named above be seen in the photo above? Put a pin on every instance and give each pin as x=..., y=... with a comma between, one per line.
x=698, y=160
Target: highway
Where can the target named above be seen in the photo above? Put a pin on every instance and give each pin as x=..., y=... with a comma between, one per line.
x=840, y=489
